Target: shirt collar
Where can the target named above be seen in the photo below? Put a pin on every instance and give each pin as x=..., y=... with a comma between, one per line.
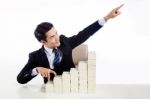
x=48, y=50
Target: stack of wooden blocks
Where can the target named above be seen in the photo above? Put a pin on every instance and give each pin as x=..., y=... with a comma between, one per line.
x=91, y=72
x=78, y=80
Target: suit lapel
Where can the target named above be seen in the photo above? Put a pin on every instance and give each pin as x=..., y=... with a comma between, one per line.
x=43, y=59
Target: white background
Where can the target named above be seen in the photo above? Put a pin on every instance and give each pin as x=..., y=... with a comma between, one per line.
x=122, y=45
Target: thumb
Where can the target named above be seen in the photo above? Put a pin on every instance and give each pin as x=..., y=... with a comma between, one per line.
x=53, y=72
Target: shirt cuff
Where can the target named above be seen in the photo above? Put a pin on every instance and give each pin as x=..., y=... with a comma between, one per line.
x=34, y=72
x=101, y=21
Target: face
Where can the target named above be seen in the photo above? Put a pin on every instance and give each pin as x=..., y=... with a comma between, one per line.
x=52, y=39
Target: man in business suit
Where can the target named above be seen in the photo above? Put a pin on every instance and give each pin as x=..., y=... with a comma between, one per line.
x=55, y=56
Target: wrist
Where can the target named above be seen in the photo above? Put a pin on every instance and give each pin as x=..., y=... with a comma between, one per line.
x=34, y=72
x=106, y=18
x=37, y=69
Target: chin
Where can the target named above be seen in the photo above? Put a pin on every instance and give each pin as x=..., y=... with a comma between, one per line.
x=58, y=45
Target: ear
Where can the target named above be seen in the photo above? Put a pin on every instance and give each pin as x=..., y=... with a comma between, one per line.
x=43, y=41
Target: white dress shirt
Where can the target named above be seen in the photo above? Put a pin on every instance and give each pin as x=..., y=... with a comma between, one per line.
x=101, y=21
x=50, y=56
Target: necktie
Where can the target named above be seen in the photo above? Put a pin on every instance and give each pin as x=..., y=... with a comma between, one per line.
x=57, y=58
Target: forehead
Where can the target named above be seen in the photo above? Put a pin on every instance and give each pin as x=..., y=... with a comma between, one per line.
x=51, y=32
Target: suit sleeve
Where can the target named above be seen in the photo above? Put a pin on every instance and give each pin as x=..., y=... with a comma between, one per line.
x=25, y=75
x=83, y=35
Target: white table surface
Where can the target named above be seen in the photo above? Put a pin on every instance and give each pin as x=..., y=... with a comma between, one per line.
x=104, y=91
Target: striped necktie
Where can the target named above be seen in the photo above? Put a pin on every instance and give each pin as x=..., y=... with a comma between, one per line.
x=57, y=58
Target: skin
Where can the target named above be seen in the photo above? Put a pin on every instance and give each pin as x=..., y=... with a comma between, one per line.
x=53, y=41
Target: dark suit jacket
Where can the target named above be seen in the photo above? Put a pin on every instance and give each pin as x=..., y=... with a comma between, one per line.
x=39, y=58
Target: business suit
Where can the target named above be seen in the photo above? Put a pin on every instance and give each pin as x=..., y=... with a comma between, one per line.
x=39, y=58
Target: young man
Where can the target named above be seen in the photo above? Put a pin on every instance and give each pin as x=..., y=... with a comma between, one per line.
x=55, y=56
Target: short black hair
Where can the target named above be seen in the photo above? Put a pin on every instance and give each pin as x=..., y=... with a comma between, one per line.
x=41, y=30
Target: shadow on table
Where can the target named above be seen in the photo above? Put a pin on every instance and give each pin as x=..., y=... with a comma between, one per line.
x=34, y=91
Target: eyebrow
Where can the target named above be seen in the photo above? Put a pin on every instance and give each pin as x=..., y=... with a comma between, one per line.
x=53, y=34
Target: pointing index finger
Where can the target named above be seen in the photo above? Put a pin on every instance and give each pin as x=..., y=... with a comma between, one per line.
x=119, y=7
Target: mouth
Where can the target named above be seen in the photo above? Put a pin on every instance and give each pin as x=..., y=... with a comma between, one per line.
x=58, y=43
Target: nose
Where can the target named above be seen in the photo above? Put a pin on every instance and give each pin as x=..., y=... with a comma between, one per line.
x=57, y=37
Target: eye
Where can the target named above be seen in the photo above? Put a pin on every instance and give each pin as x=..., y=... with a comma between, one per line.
x=52, y=36
x=56, y=33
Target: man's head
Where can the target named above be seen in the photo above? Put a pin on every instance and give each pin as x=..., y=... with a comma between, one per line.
x=47, y=34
